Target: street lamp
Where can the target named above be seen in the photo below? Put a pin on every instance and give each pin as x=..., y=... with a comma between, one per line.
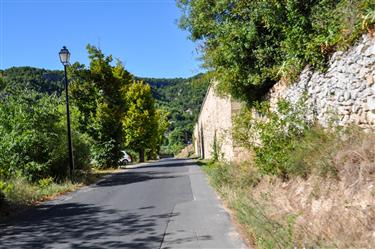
x=64, y=58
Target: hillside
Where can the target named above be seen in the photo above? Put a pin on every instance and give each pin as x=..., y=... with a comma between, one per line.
x=41, y=80
x=181, y=97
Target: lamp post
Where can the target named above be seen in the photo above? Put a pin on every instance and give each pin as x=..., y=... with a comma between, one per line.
x=64, y=58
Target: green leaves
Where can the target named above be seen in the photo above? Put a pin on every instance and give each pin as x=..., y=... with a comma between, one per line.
x=140, y=121
x=250, y=45
x=114, y=110
x=33, y=137
x=272, y=135
x=181, y=99
x=99, y=93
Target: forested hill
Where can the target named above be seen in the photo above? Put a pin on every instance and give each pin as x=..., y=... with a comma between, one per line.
x=162, y=82
x=180, y=97
x=41, y=80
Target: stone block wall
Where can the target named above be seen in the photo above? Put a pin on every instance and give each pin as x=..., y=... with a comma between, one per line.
x=344, y=94
x=215, y=123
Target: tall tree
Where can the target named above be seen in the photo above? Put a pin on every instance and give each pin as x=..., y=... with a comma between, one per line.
x=140, y=122
x=99, y=93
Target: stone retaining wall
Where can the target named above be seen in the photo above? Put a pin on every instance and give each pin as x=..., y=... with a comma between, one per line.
x=214, y=127
x=344, y=94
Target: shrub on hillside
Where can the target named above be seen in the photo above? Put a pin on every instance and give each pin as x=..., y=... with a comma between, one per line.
x=285, y=143
x=272, y=135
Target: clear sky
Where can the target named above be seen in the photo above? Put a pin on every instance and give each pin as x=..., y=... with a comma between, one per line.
x=141, y=33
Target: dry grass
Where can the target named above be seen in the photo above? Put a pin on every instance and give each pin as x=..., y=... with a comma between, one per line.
x=317, y=211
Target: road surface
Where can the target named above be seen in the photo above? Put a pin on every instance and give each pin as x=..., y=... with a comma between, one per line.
x=166, y=204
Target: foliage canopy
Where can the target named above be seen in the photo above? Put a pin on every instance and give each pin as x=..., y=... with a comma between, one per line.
x=140, y=123
x=250, y=45
x=99, y=94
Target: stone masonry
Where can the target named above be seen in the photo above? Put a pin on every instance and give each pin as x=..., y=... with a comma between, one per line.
x=215, y=123
x=344, y=94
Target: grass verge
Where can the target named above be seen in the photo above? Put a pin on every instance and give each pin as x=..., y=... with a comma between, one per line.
x=18, y=194
x=232, y=183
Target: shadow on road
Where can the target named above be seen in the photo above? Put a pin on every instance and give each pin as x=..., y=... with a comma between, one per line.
x=86, y=226
x=82, y=225
x=168, y=164
x=125, y=178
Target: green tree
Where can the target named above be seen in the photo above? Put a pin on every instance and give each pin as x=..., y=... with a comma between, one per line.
x=163, y=125
x=140, y=122
x=250, y=45
x=98, y=92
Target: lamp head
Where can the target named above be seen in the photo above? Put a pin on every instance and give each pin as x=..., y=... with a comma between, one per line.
x=64, y=56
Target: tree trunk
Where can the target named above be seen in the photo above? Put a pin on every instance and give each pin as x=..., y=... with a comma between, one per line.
x=141, y=155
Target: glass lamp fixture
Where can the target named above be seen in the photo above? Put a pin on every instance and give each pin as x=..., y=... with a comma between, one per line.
x=64, y=56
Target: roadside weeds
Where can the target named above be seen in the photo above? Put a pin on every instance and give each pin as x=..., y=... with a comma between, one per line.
x=21, y=195
x=311, y=211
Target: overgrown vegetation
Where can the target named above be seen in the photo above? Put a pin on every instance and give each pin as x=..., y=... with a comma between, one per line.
x=17, y=193
x=337, y=168
x=33, y=137
x=250, y=45
x=273, y=135
x=285, y=141
x=234, y=183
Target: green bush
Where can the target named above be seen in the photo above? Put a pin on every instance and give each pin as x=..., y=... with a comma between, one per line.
x=285, y=144
x=45, y=182
x=237, y=176
x=101, y=154
x=33, y=137
x=272, y=135
x=314, y=151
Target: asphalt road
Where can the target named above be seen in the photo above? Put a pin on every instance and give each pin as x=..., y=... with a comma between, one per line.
x=166, y=204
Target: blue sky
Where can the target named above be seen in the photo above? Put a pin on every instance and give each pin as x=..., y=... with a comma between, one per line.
x=141, y=33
